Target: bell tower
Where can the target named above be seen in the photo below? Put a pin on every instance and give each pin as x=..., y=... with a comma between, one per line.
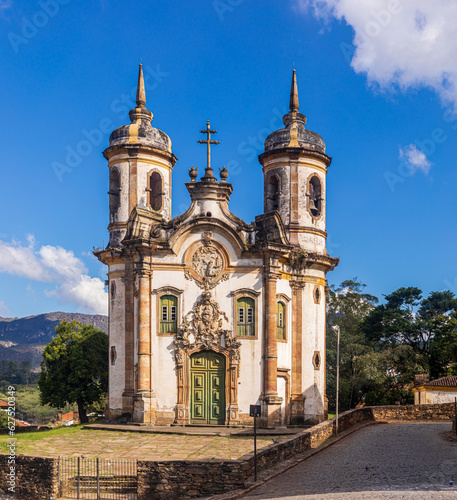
x=140, y=165
x=295, y=168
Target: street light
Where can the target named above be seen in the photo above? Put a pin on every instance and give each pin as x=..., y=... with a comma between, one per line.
x=336, y=329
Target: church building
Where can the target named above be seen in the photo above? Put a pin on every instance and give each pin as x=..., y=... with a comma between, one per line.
x=209, y=314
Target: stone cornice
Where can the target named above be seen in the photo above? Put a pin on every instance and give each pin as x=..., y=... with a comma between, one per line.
x=295, y=153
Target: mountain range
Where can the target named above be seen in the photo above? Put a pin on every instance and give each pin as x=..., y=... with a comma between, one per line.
x=25, y=338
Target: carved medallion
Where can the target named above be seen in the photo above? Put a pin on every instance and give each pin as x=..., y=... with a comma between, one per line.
x=207, y=264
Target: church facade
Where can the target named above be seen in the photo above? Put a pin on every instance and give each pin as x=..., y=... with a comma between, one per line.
x=209, y=314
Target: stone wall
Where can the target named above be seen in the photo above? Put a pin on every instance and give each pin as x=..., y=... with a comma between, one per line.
x=36, y=477
x=444, y=411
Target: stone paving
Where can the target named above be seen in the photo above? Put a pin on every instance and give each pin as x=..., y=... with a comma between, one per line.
x=407, y=461
x=109, y=444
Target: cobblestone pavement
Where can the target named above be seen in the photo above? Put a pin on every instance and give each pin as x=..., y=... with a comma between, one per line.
x=108, y=444
x=407, y=461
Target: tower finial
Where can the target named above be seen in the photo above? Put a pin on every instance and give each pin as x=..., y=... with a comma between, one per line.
x=140, y=91
x=293, y=104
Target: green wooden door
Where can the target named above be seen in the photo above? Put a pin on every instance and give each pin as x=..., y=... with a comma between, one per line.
x=207, y=396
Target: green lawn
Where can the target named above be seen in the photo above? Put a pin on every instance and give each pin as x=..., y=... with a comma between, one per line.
x=331, y=415
x=37, y=436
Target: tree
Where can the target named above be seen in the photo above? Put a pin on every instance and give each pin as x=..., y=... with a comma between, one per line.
x=348, y=305
x=388, y=374
x=427, y=325
x=74, y=369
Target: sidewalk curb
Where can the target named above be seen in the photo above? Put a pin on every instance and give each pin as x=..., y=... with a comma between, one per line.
x=282, y=467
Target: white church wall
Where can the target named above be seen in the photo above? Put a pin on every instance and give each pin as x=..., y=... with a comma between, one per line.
x=117, y=340
x=285, y=347
x=313, y=340
x=250, y=381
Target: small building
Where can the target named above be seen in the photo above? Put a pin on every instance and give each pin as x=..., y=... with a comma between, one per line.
x=67, y=419
x=442, y=390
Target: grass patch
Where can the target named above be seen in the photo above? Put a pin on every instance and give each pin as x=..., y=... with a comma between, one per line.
x=331, y=415
x=38, y=435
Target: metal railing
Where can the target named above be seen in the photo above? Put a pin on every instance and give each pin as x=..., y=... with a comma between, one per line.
x=98, y=478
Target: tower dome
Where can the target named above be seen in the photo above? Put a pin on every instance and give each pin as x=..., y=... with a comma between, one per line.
x=294, y=135
x=140, y=130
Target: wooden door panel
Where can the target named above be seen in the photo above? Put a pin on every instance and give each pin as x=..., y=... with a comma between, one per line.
x=198, y=394
x=207, y=388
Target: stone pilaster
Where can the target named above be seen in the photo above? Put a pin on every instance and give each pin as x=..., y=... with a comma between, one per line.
x=144, y=400
x=297, y=399
x=127, y=395
x=272, y=402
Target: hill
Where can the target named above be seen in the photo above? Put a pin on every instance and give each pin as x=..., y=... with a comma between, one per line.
x=24, y=339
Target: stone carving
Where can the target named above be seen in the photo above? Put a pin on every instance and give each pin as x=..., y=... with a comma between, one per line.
x=207, y=262
x=207, y=265
x=203, y=327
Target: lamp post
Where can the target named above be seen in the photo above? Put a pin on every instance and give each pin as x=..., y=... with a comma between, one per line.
x=336, y=328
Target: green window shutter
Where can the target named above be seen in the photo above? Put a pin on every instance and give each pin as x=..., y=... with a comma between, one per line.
x=169, y=314
x=245, y=317
x=280, y=321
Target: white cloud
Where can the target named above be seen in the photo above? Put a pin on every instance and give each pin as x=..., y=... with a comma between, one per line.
x=54, y=264
x=407, y=43
x=88, y=293
x=3, y=308
x=415, y=159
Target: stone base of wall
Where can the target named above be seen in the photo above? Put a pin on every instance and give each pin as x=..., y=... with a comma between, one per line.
x=423, y=413
x=165, y=417
x=35, y=477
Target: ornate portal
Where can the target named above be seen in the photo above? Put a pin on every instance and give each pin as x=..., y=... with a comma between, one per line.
x=203, y=327
x=202, y=330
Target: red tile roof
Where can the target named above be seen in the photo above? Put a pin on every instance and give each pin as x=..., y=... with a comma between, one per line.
x=449, y=381
x=3, y=403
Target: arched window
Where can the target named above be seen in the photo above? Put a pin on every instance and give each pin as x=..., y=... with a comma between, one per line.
x=168, y=314
x=273, y=192
x=281, y=321
x=315, y=196
x=155, y=190
x=245, y=317
x=114, y=192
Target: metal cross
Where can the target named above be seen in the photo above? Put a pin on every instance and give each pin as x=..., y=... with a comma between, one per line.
x=208, y=141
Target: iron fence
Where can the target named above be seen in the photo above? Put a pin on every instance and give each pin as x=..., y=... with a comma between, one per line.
x=98, y=478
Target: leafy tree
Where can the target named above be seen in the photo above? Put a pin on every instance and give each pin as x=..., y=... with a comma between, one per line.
x=388, y=374
x=74, y=367
x=427, y=325
x=348, y=305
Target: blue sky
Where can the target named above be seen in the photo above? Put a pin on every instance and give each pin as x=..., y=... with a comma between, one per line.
x=376, y=79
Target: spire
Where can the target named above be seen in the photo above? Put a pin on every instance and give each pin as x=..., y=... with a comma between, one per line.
x=140, y=92
x=293, y=105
